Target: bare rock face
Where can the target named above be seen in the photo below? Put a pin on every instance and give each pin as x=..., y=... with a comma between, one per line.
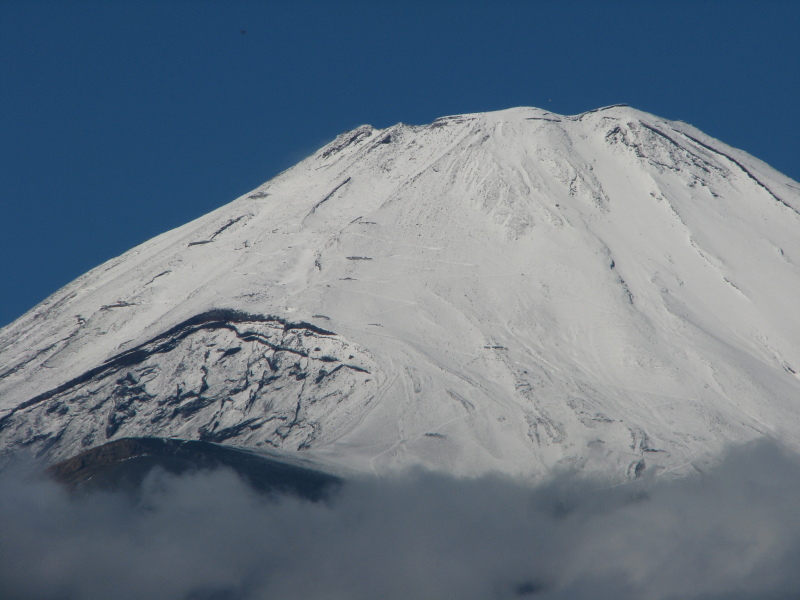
x=517, y=291
x=125, y=463
x=220, y=376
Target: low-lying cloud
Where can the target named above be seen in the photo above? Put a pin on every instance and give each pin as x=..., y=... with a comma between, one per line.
x=735, y=534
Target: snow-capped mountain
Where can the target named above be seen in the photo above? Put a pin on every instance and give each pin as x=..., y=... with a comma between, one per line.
x=512, y=291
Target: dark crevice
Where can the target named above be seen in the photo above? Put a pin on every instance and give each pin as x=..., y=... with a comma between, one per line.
x=157, y=276
x=119, y=304
x=217, y=232
x=307, y=326
x=626, y=289
x=230, y=352
x=328, y=197
x=253, y=337
x=284, y=431
x=323, y=373
x=542, y=119
x=602, y=108
x=228, y=432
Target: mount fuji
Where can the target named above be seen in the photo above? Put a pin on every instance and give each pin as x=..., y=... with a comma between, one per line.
x=514, y=291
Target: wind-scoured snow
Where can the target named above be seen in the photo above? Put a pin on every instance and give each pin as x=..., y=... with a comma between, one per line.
x=516, y=291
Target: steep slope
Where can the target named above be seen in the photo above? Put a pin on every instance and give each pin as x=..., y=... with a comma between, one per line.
x=515, y=290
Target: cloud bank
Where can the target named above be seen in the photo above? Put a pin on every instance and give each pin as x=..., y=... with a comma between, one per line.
x=735, y=534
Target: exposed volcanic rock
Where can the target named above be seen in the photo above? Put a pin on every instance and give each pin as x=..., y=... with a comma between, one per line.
x=221, y=376
x=123, y=464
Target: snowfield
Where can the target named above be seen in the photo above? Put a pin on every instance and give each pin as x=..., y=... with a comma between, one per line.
x=515, y=291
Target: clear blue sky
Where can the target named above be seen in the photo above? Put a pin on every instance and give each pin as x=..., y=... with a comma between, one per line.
x=122, y=119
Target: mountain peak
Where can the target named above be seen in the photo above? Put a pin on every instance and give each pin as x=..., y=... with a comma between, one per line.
x=513, y=290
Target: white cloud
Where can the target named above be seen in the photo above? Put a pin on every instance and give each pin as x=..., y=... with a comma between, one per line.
x=207, y=536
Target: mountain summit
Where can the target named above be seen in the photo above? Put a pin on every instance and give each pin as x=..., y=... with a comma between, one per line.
x=513, y=291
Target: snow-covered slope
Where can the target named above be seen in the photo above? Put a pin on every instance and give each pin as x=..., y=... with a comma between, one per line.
x=512, y=291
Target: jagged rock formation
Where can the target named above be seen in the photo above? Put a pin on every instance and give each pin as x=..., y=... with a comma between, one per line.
x=515, y=290
x=220, y=376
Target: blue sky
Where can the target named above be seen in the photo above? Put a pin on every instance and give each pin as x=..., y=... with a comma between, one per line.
x=120, y=120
